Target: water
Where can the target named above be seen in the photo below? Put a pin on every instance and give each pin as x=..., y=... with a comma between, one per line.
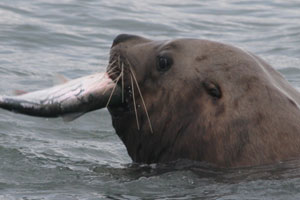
x=50, y=159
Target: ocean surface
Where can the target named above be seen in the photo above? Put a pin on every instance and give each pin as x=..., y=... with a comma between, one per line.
x=84, y=159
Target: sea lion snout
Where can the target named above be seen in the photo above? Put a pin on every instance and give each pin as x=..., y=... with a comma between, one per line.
x=122, y=38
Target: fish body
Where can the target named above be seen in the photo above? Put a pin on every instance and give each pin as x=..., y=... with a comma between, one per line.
x=69, y=100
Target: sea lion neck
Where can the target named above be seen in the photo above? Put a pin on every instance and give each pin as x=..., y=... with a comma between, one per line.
x=173, y=125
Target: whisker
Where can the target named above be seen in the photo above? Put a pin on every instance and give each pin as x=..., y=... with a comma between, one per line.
x=104, y=90
x=113, y=81
x=145, y=108
x=112, y=63
x=111, y=72
x=114, y=73
x=113, y=90
x=134, y=104
x=122, y=72
x=112, y=69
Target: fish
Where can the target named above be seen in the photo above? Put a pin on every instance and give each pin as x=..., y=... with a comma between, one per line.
x=69, y=100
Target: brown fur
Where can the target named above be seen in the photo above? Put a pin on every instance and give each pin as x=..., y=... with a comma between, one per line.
x=255, y=121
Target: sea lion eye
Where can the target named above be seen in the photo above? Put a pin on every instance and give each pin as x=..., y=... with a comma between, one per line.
x=212, y=89
x=164, y=63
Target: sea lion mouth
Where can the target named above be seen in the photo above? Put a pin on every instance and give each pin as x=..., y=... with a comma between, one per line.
x=121, y=71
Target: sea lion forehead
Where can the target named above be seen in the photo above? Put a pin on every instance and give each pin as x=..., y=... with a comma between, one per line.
x=176, y=43
x=188, y=46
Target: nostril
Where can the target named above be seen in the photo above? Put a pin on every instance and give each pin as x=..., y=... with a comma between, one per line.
x=122, y=38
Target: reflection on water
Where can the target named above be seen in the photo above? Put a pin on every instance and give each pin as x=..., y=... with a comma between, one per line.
x=48, y=159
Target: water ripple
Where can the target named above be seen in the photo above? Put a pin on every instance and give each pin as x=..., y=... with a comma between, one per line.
x=47, y=159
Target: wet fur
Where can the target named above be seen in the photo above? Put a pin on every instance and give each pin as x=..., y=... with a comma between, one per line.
x=254, y=121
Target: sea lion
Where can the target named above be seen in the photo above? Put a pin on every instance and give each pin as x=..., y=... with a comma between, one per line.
x=199, y=100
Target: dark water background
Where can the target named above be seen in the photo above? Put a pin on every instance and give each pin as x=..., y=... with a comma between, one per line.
x=84, y=159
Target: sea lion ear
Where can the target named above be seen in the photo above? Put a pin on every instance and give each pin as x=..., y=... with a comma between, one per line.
x=212, y=88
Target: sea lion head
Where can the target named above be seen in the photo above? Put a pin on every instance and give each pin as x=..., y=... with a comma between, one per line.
x=175, y=96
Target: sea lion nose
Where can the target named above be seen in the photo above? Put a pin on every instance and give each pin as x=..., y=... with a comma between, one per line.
x=122, y=38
